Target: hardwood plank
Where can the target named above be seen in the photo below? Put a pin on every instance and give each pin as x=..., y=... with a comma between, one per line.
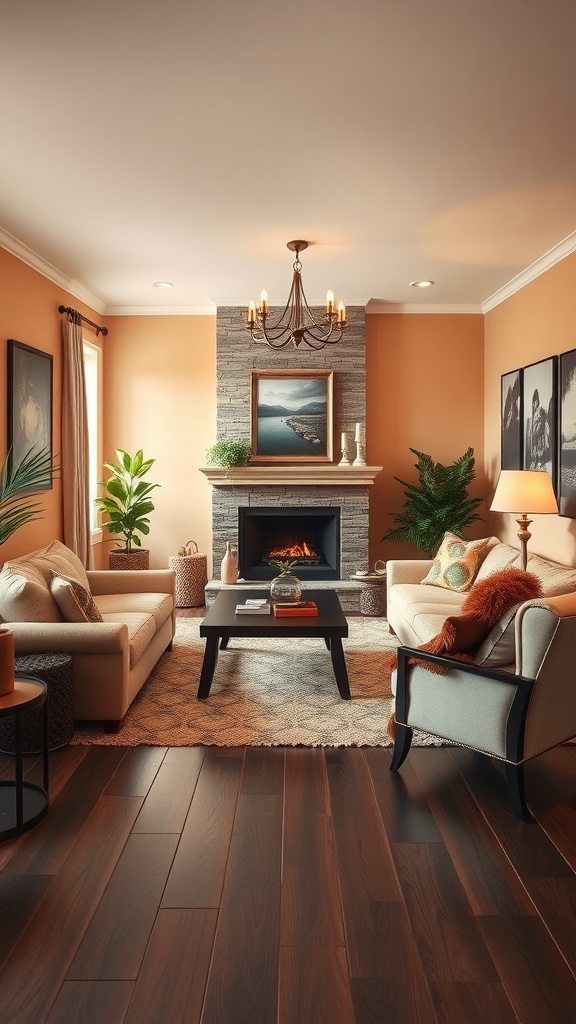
x=555, y=901
x=45, y=848
x=444, y=927
x=114, y=944
x=365, y=862
x=400, y=796
x=472, y=1003
x=311, y=909
x=19, y=899
x=34, y=971
x=92, y=1002
x=375, y=1001
x=263, y=771
x=244, y=988
x=485, y=874
x=314, y=986
x=537, y=980
x=137, y=771
x=197, y=874
x=171, y=984
x=168, y=801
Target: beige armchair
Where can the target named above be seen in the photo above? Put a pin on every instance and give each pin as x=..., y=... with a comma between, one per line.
x=512, y=714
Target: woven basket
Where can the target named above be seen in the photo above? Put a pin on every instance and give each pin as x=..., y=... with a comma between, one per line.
x=138, y=558
x=191, y=577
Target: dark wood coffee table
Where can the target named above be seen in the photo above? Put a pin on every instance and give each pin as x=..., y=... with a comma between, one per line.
x=222, y=623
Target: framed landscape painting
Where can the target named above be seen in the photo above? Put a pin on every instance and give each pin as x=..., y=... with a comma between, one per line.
x=567, y=438
x=511, y=420
x=291, y=415
x=539, y=401
x=29, y=402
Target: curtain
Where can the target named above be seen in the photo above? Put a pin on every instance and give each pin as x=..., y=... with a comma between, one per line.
x=74, y=457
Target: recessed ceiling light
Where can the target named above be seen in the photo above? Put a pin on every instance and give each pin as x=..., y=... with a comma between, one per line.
x=421, y=284
x=162, y=284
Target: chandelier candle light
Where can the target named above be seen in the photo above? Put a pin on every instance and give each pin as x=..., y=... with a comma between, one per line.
x=296, y=323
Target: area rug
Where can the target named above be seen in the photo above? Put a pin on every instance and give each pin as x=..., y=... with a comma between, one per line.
x=266, y=692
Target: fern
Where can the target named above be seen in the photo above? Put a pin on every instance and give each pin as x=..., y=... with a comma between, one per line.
x=437, y=503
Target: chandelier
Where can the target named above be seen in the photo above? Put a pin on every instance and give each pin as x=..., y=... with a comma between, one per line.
x=297, y=324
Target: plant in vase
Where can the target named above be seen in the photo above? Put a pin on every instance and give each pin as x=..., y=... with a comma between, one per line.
x=128, y=507
x=286, y=586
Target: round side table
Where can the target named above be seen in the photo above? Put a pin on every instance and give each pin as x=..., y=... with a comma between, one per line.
x=22, y=804
x=56, y=671
x=373, y=593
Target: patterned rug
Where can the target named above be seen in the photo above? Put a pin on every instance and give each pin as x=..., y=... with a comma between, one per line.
x=266, y=692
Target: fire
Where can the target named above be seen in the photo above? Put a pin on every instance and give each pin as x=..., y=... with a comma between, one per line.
x=294, y=551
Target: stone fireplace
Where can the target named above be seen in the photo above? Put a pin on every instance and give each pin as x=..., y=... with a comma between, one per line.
x=312, y=491
x=307, y=535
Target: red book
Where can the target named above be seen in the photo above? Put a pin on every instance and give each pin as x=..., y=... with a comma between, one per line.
x=295, y=608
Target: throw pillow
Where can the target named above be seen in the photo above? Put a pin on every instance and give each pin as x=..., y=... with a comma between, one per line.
x=456, y=563
x=76, y=604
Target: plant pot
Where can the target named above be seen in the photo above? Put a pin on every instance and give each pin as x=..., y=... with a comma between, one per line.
x=136, y=559
x=286, y=588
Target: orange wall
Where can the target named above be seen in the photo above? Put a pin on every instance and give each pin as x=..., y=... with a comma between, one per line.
x=536, y=322
x=29, y=314
x=160, y=395
x=424, y=376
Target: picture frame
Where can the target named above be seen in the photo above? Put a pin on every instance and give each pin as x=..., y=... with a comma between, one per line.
x=539, y=398
x=30, y=378
x=291, y=415
x=566, y=492
x=511, y=420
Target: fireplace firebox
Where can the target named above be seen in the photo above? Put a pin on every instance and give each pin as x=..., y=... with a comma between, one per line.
x=309, y=536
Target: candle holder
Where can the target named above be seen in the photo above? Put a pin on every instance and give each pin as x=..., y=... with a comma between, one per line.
x=344, y=461
x=360, y=459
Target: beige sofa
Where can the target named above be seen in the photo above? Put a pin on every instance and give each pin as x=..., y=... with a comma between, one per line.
x=48, y=601
x=417, y=611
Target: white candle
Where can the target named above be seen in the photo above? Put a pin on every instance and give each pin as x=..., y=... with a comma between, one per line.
x=359, y=432
x=343, y=440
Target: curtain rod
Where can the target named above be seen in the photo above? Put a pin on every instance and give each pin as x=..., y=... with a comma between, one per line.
x=74, y=312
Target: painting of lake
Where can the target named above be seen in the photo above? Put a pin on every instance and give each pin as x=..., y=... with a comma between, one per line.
x=292, y=415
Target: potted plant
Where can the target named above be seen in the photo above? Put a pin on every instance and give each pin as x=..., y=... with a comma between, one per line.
x=16, y=508
x=127, y=506
x=286, y=586
x=229, y=452
x=437, y=503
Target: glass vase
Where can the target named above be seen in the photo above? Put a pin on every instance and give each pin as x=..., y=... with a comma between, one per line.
x=286, y=588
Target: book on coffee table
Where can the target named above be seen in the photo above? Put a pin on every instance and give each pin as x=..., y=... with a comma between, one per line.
x=295, y=608
x=254, y=606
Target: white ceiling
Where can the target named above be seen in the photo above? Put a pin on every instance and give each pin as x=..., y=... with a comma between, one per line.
x=188, y=141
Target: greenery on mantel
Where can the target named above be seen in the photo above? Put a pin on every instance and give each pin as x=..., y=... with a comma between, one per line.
x=228, y=452
x=437, y=503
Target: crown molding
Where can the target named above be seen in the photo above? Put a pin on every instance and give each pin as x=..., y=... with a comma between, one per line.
x=32, y=259
x=381, y=306
x=548, y=260
x=206, y=309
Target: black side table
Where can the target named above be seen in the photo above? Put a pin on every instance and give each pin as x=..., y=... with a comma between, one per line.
x=22, y=804
x=56, y=671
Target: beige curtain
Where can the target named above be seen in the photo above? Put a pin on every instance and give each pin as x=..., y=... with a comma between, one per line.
x=74, y=456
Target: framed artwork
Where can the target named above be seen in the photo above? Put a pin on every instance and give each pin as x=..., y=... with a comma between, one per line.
x=539, y=390
x=29, y=403
x=566, y=492
x=511, y=420
x=291, y=415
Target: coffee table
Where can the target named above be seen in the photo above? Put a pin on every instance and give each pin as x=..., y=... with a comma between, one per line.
x=221, y=624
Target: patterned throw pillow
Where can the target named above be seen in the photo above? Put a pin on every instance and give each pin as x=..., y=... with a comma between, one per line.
x=76, y=604
x=456, y=563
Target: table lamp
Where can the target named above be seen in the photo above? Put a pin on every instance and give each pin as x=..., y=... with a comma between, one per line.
x=523, y=491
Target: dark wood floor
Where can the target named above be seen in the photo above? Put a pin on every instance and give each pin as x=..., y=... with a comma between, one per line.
x=265, y=885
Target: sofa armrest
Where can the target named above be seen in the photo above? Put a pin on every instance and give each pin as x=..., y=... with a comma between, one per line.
x=407, y=570
x=69, y=637
x=132, y=581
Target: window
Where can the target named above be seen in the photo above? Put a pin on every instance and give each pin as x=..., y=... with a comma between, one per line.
x=92, y=377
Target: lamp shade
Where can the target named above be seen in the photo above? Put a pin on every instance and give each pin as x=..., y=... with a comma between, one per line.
x=524, y=490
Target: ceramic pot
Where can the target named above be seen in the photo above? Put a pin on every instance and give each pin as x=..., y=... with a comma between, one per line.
x=229, y=566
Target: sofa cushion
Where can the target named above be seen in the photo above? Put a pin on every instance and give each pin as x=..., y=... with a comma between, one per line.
x=457, y=562
x=555, y=578
x=74, y=601
x=498, y=557
x=160, y=606
x=499, y=647
x=60, y=559
x=141, y=631
x=25, y=595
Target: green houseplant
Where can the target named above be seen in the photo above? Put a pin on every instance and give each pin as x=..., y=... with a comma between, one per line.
x=16, y=507
x=437, y=503
x=229, y=452
x=286, y=586
x=128, y=505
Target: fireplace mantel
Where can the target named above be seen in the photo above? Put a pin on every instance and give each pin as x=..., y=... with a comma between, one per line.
x=295, y=474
